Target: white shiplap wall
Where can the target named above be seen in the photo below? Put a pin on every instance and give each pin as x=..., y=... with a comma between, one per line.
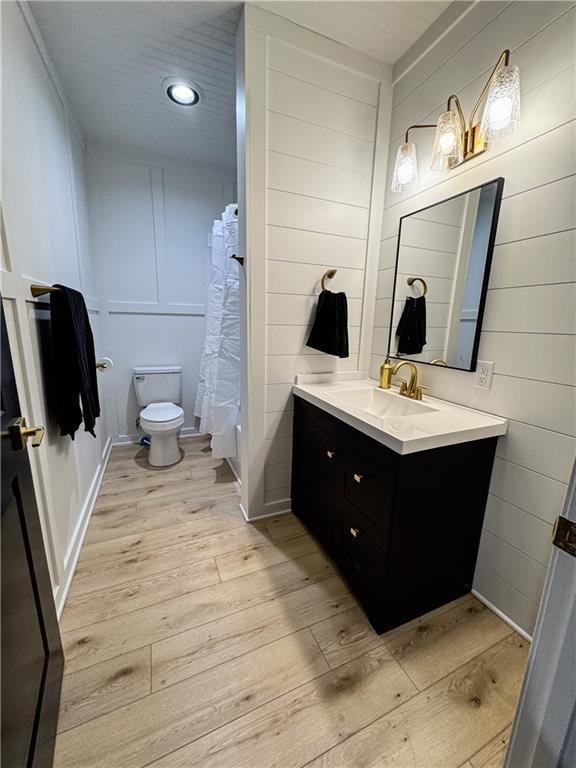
x=530, y=320
x=321, y=112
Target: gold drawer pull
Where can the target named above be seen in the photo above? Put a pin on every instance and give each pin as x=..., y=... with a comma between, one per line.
x=330, y=454
x=355, y=532
x=358, y=478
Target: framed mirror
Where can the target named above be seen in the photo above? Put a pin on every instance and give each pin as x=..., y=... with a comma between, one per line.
x=443, y=260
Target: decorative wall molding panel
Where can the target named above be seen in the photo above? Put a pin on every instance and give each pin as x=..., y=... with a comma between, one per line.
x=150, y=220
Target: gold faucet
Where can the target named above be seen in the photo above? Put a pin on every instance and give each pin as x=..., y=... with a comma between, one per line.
x=410, y=388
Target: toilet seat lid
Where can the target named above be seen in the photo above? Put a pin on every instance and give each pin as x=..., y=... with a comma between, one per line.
x=161, y=412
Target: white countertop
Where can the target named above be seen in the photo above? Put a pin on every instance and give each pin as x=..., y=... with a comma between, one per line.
x=404, y=425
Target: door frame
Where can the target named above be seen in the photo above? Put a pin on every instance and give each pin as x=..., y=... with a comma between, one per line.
x=544, y=731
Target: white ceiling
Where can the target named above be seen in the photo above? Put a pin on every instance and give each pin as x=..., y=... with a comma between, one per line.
x=113, y=56
x=384, y=30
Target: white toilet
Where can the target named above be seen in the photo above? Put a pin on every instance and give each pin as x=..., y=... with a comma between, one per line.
x=159, y=388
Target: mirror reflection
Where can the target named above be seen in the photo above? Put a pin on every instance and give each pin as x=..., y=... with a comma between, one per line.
x=442, y=268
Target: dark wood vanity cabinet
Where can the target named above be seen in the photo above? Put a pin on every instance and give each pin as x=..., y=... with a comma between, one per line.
x=403, y=529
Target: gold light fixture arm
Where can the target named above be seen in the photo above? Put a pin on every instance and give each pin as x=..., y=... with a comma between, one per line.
x=456, y=100
x=503, y=59
x=412, y=127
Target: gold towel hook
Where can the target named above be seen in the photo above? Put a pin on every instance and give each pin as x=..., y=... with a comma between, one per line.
x=328, y=274
x=412, y=280
x=40, y=290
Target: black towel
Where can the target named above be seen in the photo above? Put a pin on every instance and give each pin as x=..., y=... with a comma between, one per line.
x=74, y=362
x=411, y=331
x=330, y=330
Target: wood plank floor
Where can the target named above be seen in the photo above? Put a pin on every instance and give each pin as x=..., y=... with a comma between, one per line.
x=193, y=639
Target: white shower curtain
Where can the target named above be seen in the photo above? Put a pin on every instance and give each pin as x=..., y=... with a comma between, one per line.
x=218, y=397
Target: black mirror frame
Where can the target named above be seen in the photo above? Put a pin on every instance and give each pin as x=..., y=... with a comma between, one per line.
x=499, y=181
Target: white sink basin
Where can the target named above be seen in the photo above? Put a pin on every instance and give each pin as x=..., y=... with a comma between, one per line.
x=380, y=402
x=402, y=424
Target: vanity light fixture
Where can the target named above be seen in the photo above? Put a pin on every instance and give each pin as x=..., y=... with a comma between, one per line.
x=502, y=112
x=406, y=167
x=455, y=141
x=449, y=139
x=181, y=92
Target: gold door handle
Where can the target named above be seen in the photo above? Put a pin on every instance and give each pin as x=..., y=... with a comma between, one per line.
x=330, y=454
x=355, y=532
x=19, y=434
x=358, y=478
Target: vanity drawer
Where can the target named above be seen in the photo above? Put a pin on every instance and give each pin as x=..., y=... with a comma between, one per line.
x=370, y=492
x=360, y=558
x=316, y=481
x=318, y=419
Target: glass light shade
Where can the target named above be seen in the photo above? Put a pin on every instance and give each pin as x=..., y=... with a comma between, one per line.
x=448, y=150
x=501, y=116
x=406, y=168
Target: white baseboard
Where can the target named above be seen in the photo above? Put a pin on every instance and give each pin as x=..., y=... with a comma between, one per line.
x=234, y=472
x=279, y=507
x=132, y=439
x=273, y=509
x=73, y=552
x=502, y=616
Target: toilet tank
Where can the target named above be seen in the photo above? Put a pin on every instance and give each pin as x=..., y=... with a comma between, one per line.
x=158, y=384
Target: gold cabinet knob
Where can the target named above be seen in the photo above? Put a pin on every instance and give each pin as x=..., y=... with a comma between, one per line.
x=330, y=454
x=358, y=478
x=355, y=532
x=19, y=434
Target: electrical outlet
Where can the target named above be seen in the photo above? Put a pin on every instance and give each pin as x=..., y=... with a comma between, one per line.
x=484, y=374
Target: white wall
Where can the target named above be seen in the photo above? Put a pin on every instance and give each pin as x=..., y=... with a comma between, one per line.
x=43, y=200
x=317, y=118
x=530, y=318
x=150, y=220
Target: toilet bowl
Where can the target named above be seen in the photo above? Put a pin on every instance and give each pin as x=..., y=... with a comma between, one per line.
x=159, y=388
x=162, y=422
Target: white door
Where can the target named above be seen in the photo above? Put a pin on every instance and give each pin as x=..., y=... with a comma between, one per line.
x=544, y=733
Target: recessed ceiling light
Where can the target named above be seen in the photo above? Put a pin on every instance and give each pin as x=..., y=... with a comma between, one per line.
x=181, y=92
